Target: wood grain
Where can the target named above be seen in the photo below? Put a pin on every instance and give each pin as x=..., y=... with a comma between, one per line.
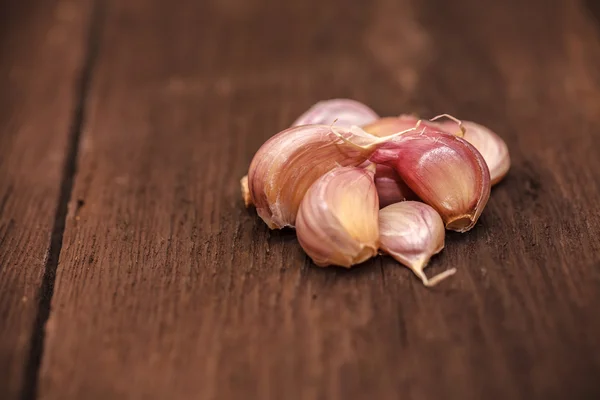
x=41, y=52
x=168, y=288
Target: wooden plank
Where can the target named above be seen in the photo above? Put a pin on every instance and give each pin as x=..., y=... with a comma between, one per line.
x=168, y=288
x=41, y=54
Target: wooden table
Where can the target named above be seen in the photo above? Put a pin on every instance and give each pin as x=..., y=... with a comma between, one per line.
x=129, y=268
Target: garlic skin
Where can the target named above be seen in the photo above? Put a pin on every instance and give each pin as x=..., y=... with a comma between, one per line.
x=337, y=222
x=445, y=171
x=347, y=112
x=287, y=164
x=491, y=146
x=390, y=187
x=411, y=232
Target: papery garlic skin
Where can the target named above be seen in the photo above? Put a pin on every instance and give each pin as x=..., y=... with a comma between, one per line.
x=491, y=146
x=337, y=222
x=344, y=112
x=390, y=187
x=287, y=164
x=411, y=232
x=445, y=171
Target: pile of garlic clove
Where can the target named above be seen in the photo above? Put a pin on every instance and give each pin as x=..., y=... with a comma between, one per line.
x=354, y=184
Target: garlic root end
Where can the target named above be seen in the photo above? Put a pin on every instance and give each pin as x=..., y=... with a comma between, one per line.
x=245, y=191
x=461, y=223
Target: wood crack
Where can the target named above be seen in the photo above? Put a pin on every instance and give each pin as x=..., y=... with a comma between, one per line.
x=46, y=291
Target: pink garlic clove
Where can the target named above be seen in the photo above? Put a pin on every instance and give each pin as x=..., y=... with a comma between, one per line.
x=390, y=187
x=445, y=171
x=337, y=222
x=287, y=164
x=411, y=232
x=491, y=146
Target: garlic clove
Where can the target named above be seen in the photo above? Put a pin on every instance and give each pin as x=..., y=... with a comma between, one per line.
x=411, y=232
x=345, y=113
x=390, y=187
x=245, y=191
x=445, y=171
x=287, y=164
x=491, y=146
x=337, y=221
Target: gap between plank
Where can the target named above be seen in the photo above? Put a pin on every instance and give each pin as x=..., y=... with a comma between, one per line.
x=29, y=390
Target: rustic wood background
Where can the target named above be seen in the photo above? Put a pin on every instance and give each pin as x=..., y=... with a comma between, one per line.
x=129, y=268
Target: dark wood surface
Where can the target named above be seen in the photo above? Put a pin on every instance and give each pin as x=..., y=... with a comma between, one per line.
x=166, y=287
x=41, y=55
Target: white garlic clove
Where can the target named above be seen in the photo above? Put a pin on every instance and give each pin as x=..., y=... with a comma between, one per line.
x=287, y=164
x=344, y=112
x=390, y=187
x=443, y=170
x=411, y=232
x=491, y=146
x=337, y=222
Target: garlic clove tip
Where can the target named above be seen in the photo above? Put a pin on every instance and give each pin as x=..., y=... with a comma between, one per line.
x=431, y=282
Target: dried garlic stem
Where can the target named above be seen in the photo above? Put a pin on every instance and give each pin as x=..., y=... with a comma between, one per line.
x=456, y=120
x=430, y=282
